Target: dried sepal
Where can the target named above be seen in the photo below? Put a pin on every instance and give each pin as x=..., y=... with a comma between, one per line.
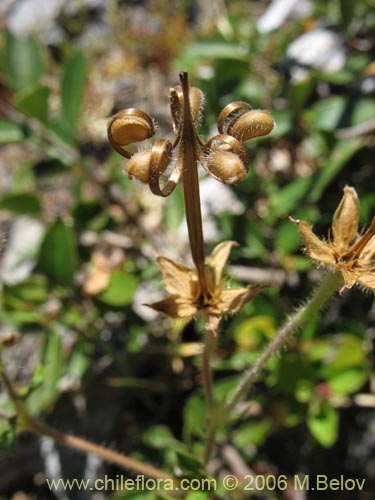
x=232, y=300
x=317, y=249
x=129, y=126
x=226, y=159
x=187, y=297
x=175, y=306
x=219, y=258
x=350, y=253
x=345, y=219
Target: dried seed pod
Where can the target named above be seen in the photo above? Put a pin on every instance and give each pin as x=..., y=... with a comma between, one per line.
x=226, y=159
x=254, y=123
x=139, y=165
x=196, y=99
x=128, y=126
x=242, y=122
x=229, y=113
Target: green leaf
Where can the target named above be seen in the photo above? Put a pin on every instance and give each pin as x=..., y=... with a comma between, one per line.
x=194, y=415
x=23, y=61
x=189, y=463
x=159, y=436
x=120, y=290
x=33, y=102
x=10, y=132
x=337, y=159
x=211, y=49
x=58, y=254
x=285, y=200
x=348, y=381
x=253, y=433
x=48, y=391
x=25, y=203
x=33, y=290
x=327, y=113
x=287, y=239
x=252, y=331
x=198, y=495
x=339, y=112
x=292, y=371
x=8, y=434
x=346, y=352
x=73, y=89
x=283, y=122
x=322, y=421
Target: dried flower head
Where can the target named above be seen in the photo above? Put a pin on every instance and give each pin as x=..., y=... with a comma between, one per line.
x=225, y=158
x=187, y=297
x=346, y=250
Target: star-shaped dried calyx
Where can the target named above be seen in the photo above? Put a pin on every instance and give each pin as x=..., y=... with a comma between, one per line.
x=187, y=298
x=346, y=250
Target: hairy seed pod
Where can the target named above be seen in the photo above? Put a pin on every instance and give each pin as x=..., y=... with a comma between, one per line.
x=139, y=165
x=226, y=167
x=254, y=123
x=128, y=126
x=229, y=113
x=196, y=100
x=226, y=159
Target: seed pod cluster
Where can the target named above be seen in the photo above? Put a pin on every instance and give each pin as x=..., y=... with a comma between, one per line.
x=225, y=157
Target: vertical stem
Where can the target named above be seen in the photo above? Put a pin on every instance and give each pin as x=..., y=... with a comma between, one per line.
x=207, y=373
x=189, y=146
x=330, y=284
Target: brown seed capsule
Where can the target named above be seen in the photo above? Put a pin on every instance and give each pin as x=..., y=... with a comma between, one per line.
x=226, y=167
x=139, y=165
x=254, y=123
x=229, y=113
x=196, y=100
x=226, y=159
x=128, y=126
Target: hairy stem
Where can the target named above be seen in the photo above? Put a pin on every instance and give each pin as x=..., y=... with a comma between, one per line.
x=330, y=284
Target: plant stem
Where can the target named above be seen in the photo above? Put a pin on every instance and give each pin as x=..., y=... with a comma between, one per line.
x=207, y=372
x=330, y=284
x=89, y=447
x=189, y=146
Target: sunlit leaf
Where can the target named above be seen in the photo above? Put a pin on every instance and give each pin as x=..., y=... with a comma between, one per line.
x=10, y=132
x=73, y=89
x=322, y=421
x=20, y=203
x=58, y=254
x=121, y=289
x=33, y=102
x=23, y=61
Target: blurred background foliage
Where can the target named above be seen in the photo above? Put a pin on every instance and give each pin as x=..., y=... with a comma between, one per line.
x=78, y=240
